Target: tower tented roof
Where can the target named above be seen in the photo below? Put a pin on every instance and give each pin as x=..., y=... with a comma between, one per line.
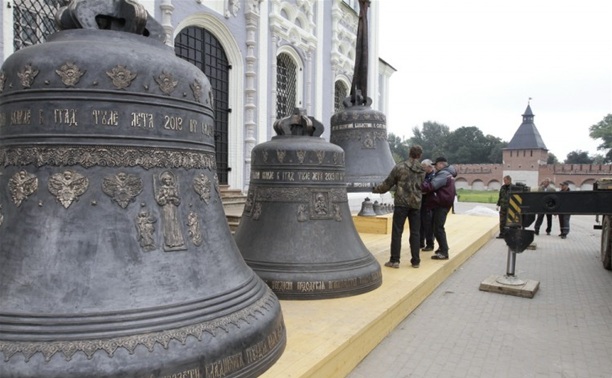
x=527, y=136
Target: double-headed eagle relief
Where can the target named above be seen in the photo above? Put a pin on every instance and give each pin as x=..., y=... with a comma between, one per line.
x=21, y=185
x=68, y=186
x=122, y=188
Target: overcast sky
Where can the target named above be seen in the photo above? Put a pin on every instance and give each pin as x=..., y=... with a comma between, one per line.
x=477, y=62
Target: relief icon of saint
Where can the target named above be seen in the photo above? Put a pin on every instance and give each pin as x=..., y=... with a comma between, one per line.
x=145, y=225
x=167, y=197
x=321, y=204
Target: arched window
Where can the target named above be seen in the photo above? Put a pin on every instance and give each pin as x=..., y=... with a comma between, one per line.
x=340, y=93
x=286, y=85
x=200, y=47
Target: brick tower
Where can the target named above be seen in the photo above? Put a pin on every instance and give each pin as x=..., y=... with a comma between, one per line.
x=525, y=153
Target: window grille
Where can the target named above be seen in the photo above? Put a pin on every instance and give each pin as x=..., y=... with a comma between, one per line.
x=34, y=21
x=199, y=47
x=340, y=93
x=286, y=83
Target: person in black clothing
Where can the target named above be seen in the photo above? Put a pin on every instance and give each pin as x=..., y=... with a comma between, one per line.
x=441, y=191
x=544, y=187
x=406, y=177
x=564, y=219
x=427, y=236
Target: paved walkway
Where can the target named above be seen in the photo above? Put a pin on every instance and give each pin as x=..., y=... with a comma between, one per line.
x=460, y=331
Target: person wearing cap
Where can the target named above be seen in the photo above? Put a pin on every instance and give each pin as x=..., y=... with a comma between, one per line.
x=440, y=198
x=427, y=236
x=406, y=177
x=564, y=219
x=544, y=187
x=503, y=202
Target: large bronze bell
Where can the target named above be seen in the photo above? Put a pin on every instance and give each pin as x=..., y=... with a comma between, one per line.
x=360, y=130
x=296, y=231
x=116, y=259
x=362, y=134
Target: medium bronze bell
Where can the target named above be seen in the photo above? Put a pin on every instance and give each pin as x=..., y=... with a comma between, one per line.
x=116, y=259
x=296, y=230
x=367, y=209
x=362, y=134
x=378, y=210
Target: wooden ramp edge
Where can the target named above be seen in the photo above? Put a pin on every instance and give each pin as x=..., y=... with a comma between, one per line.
x=328, y=338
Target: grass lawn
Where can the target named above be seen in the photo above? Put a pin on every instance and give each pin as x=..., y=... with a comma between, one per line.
x=480, y=196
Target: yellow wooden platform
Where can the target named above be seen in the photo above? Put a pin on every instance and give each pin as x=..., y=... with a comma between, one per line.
x=380, y=224
x=328, y=338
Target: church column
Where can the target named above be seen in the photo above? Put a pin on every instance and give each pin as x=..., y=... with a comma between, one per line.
x=273, y=71
x=166, y=20
x=309, y=64
x=250, y=107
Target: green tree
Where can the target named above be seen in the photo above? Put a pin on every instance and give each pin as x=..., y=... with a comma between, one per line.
x=599, y=159
x=578, y=157
x=496, y=146
x=469, y=146
x=552, y=159
x=465, y=145
x=399, y=147
x=433, y=138
x=603, y=131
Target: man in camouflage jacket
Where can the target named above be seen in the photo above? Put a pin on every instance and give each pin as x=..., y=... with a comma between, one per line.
x=502, y=205
x=407, y=177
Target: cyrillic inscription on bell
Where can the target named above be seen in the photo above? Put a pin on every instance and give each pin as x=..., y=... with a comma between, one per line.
x=116, y=259
x=296, y=230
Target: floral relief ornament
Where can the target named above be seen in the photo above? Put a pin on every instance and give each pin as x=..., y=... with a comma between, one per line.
x=202, y=185
x=121, y=76
x=70, y=74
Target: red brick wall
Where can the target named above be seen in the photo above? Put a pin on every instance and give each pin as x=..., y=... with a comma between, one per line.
x=489, y=176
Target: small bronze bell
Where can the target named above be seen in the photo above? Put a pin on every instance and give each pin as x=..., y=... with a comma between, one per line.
x=378, y=209
x=367, y=209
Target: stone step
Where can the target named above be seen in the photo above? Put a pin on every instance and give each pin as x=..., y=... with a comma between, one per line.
x=233, y=204
x=233, y=221
x=226, y=191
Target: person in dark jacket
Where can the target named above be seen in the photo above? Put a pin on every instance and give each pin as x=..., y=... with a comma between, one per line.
x=427, y=236
x=440, y=198
x=544, y=187
x=564, y=219
x=502, y=205
x=406, y=177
